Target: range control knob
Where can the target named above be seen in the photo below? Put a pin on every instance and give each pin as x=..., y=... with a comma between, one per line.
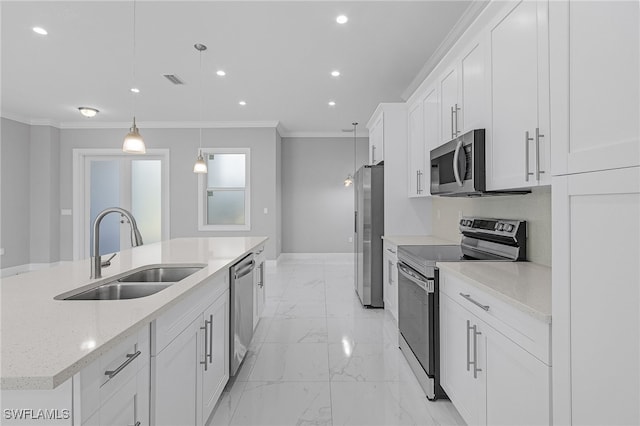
x=509, y=227
x=462, y=222
x=500, y=226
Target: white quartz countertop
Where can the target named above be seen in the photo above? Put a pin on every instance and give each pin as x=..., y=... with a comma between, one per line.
x=524, y=285
x=44, y=341
x=418, y=240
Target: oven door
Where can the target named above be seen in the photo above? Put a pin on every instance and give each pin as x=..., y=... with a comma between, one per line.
x=416, y=315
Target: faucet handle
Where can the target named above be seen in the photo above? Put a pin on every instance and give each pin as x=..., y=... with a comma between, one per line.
x=107, y=262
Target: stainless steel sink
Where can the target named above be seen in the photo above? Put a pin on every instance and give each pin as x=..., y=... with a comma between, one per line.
x=132, y=285
x=162, y=274
x=120, y=291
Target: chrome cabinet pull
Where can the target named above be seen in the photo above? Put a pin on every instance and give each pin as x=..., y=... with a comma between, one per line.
x=538, y=136
x=210, y=338
x=456, y=113
x=476, y=333
x=468, y=297
x=390, y=272
x=468, y=346
x=129, y=360
x=456, y=172
x=420, y=181
x=206, y=344
x=527, y=139
x=373, y=154
x=453, y=134
x=391, y=251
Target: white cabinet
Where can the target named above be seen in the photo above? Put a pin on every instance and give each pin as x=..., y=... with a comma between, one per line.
x=418, y=178
x=596, y=297
x=494, y=363
x=463, y=99
x=595, y=90
x=190, y=355
x=259, y=292
x=518, y=149
x=390, y=278
x=376, y=138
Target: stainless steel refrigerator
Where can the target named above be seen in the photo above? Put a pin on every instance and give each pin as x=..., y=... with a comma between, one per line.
x=369, y=228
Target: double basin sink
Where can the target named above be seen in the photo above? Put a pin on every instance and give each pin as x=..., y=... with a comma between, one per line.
x=142, y=282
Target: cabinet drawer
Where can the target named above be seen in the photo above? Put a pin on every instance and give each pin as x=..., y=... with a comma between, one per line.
x=390, y=250
x=168, y=326
x=122, y=361
x=532, y=335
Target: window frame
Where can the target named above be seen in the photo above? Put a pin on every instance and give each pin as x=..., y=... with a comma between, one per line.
x=202, y=192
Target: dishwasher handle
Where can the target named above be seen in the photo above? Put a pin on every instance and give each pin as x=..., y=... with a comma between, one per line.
x=246, y=270
x=406, y=272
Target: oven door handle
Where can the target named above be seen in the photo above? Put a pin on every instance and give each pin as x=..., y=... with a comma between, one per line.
x=405, y=272
x=456, y=155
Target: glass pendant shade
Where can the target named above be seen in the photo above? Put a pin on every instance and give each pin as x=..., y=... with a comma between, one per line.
x=200, y=166
x=348, y=181
x=133, y=142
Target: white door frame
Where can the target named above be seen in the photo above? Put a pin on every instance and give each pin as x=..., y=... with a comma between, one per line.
x=80, y=180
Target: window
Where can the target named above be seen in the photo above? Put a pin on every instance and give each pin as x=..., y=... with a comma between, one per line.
x=224, y=200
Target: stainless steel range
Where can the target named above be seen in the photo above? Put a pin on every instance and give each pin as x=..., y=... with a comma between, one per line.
x=418, y=298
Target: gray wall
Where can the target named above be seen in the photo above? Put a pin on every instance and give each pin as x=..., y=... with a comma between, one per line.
x=15, y=170
x=183, y=145
x=45, y=194
x=317, y=210
x=535, y=208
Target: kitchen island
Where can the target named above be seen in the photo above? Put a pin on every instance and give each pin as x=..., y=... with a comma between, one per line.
x=46, y=342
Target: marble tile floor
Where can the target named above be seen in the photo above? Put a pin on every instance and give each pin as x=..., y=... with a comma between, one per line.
x=319, y=358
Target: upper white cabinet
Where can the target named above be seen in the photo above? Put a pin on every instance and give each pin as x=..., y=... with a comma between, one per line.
x=518, y=149
x=596, y=298
x=595, y=94
x=376, y=137
x=418, y=180
x=463, y=96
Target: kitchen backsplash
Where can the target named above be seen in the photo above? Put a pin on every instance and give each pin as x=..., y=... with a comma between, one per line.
x=535, y=208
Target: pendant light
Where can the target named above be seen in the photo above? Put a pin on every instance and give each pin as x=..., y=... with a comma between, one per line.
x=200, y=166
x=349, y=180
x=133, y=142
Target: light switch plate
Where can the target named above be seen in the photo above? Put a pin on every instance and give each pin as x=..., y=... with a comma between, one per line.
x=1, y=252
x=65, y=212
x=266, y=210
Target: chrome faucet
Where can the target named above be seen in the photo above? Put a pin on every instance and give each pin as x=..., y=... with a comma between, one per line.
x=136, y=238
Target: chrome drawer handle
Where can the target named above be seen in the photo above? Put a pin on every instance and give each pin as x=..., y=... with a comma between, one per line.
x=130, y=358
x=391, y=251
x=468, y=297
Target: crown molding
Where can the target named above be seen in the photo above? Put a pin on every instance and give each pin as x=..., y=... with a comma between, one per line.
x=349, y=135
x=30, y=121
x=169, y=124
x=470, y=14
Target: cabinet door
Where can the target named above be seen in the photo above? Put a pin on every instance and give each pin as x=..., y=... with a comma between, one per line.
x=417, y=177
x=215, y=377
x=518, y=384
x=458, y=347
x=473, y=98
x=431, y=124
x=390, y=280
x=595, y=55
x=515, y=90
x=129, y=405
x=177, y=376
x=596, y=297
x=376, y=141
x=449, y=105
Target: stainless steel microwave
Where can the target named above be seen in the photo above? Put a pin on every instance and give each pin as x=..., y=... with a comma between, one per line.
x=458, y=166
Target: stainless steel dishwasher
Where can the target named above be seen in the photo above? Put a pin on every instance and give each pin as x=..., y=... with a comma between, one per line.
x=241, y=276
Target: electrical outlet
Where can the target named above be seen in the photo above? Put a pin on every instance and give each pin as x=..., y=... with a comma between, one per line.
x=266, y=210
x=459, y=214
x=350, y=239
x=1, y=252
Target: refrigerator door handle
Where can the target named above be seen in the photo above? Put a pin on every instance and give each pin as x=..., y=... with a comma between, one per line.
x=355, y=222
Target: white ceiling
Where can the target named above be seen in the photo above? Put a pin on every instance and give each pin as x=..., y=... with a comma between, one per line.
x=278, y=56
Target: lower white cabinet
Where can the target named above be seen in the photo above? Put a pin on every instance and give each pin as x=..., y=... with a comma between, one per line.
x=190, y=359
x=390, y=278
x=490, y=379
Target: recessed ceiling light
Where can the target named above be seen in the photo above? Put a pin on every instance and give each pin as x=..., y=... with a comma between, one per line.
x=221, y=73
x=335, y=73
x=135, y=90
x=242, y=103
x=40, y=30
x=342, y=19
x=332, y=103
x=88, y=111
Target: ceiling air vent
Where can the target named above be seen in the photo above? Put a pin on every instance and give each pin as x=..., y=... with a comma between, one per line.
x=173, y=78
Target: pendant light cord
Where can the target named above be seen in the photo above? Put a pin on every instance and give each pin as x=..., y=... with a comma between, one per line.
x=355, y=125
x=133, y=94
x=201, y=102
